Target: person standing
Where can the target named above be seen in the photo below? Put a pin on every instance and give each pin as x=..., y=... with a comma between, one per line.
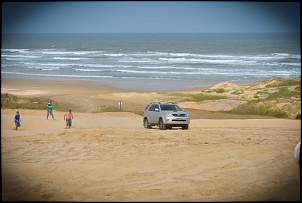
x=297, y=155
x=49, y=109
x=68, y=116
x=17, y=120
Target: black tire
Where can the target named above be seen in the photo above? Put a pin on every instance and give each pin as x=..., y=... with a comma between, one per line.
x=169, y=127
x=147, y=124
x=185, y=127
x=161, y=124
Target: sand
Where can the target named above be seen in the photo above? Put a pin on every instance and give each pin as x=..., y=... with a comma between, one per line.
x=112, y=157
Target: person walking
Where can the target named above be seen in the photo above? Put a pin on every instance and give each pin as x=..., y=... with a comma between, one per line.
x=49, y=109
x=17, y=120
x=68, y=116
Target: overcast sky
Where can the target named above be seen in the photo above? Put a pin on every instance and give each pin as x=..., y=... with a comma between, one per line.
x=150, y=17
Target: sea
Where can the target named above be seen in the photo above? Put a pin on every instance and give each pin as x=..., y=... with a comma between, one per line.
x=152, y=62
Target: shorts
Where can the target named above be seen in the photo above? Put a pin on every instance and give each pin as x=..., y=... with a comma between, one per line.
x=68, y=122
x=17, y=123
x=49, y=112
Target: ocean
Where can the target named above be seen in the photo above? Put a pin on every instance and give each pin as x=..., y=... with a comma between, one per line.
x=152, y=61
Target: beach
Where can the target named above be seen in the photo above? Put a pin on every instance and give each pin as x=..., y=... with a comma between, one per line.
x=110, y=156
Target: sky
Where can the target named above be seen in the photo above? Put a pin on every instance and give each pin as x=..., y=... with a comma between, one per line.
x=150, y=17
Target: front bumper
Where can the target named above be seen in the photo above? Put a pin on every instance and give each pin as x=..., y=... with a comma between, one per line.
x=177, y=121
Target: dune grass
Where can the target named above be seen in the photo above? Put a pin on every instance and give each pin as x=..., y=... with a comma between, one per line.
x=10, y=101
x=180, y=97
x=268, y=106
x=256, y=108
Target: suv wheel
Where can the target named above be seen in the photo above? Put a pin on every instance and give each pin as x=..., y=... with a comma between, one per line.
x=146, y=123
x=185, y=127
x=161, y=124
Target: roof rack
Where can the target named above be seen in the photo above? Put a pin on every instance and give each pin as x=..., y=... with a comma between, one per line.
x=170, y=102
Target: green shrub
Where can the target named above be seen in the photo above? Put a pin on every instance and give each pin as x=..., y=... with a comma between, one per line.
x=259, y=109
x=195, y=97
x=202, y=97
x=285, y=83
x=219, y=90
x=284, y=93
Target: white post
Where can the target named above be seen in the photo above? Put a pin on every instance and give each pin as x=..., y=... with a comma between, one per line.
x=120, y=104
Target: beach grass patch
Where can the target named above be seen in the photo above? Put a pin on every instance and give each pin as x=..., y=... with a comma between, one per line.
x=180, y=97
x=219, y=90
x=203, y=97
x=285, y=93
x=262, y=92
x=10, y=101
x=285, y=83
x=257, y=108
x=237, y=92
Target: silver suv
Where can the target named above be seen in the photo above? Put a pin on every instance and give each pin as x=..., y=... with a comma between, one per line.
x=165, y=116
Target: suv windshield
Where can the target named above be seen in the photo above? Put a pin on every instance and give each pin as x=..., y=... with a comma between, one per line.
x=170, y=107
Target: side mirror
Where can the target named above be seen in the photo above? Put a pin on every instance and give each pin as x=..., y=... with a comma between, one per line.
x=156, y=109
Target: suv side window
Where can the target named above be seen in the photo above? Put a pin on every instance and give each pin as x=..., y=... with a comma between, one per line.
x=147, y=107
x=153, y=107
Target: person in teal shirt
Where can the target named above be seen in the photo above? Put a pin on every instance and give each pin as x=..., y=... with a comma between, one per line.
x=49, y=109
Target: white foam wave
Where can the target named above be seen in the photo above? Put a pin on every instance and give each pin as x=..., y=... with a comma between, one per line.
x=15, y=50
x=209, y=61
x=60, y=52
x=65, y=58
x=291, y=64
x=14, y=59
x=44, y=68
x=50, y=69
x=20, y=56
x=90, y=70
x=46, y=64
x=115, y=54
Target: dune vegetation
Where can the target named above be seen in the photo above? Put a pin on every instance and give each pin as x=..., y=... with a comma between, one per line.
x=273, y=97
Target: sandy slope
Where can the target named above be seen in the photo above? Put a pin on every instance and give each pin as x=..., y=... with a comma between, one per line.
x=111, y=157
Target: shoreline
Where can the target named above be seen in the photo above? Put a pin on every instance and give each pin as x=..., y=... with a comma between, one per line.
x=126, y=84
x=135, y=84
x=82, y=83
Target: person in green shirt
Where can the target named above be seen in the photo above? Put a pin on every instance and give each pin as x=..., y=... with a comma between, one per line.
x=49, y=109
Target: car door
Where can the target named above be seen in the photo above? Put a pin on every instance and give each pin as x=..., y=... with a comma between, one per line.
x=153, y=115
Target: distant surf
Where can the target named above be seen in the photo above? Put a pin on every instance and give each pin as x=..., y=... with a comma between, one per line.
x=201, y=60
